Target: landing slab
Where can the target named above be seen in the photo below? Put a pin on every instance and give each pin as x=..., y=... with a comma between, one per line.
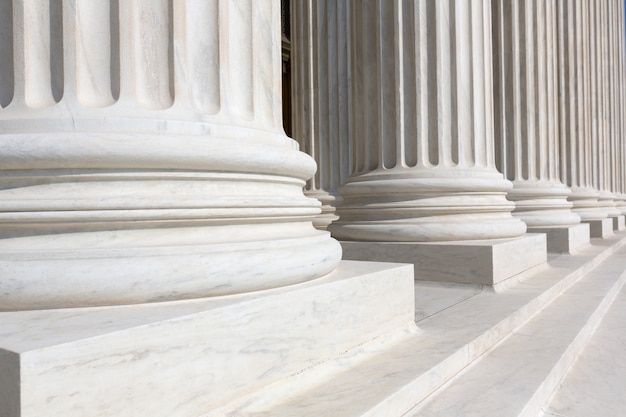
x=473, y=262
x=185, y=358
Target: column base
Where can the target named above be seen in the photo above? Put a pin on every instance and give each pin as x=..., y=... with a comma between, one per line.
x=186, y=358
x=619, y=222
x=565, y=239
x=601, y=228
x=485, y=262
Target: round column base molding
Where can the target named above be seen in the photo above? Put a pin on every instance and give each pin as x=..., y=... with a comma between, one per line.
x=329, y=207
x=61, y=271
x=543, y=204
x=587, y=204
x=462, y=227
x=430, y=205
x=609, y=203
x=94, y=219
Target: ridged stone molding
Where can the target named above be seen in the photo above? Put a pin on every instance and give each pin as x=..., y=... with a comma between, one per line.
x=321, y=119
x=422, y=114
x=142, y=155
x=526, y=116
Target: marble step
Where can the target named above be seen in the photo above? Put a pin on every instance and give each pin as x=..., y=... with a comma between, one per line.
x=456, y=326
x=594, y=386
x=518, y=376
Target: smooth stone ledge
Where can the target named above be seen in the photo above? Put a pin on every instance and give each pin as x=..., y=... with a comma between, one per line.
x=473, y=262
x=186, y=358
x=600, y=228
x=566, y=239
x=619, y=223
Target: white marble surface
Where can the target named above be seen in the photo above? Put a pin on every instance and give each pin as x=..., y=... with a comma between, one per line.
x=526, y=111
x=320, y=63
x=595, y=384
x=602, y=228
x=565, y=239
x=422, y=139
x=390, y=379
x=186, y=358
x=143, y=156
x=619, y=222
x=517, y=377
x=473, y=262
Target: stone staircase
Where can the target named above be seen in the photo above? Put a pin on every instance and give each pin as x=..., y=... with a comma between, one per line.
x=475, y=351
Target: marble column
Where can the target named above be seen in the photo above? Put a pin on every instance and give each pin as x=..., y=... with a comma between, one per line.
x=142, y=155
x=321, y=101
x=422, y=140
x=620, y=174
x=603, y=117
x=614, y=153
x=526, y=119
x=575, y=108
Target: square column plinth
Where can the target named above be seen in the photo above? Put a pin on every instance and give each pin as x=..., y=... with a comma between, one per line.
x=470, y=262
x=600, y=228
x=619, y=223
x=187, y=358
x=565, y=239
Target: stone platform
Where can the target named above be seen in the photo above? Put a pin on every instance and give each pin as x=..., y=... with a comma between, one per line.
x=187, y=358
x=485, y=262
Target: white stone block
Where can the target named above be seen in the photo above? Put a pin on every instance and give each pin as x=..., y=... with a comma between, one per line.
x=473, y=262
x=565, y=239
x=185, y=358
x=602, y=228
x=619, y=223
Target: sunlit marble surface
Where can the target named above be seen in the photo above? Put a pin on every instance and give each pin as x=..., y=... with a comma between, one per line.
x=455, y=330
x=184, y=358
x=595, y=384
x=471, y=262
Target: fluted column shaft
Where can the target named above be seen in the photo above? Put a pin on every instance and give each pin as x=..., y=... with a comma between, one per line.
x=614, y=154
x=142, y=156
x=575, y=108
x=603, y=125
x=422, y=115
x=526, y=122
x=321, y=74
x=620, y=139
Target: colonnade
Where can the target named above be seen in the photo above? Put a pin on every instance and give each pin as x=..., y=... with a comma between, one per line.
x=142, y=155
x=477, y=119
